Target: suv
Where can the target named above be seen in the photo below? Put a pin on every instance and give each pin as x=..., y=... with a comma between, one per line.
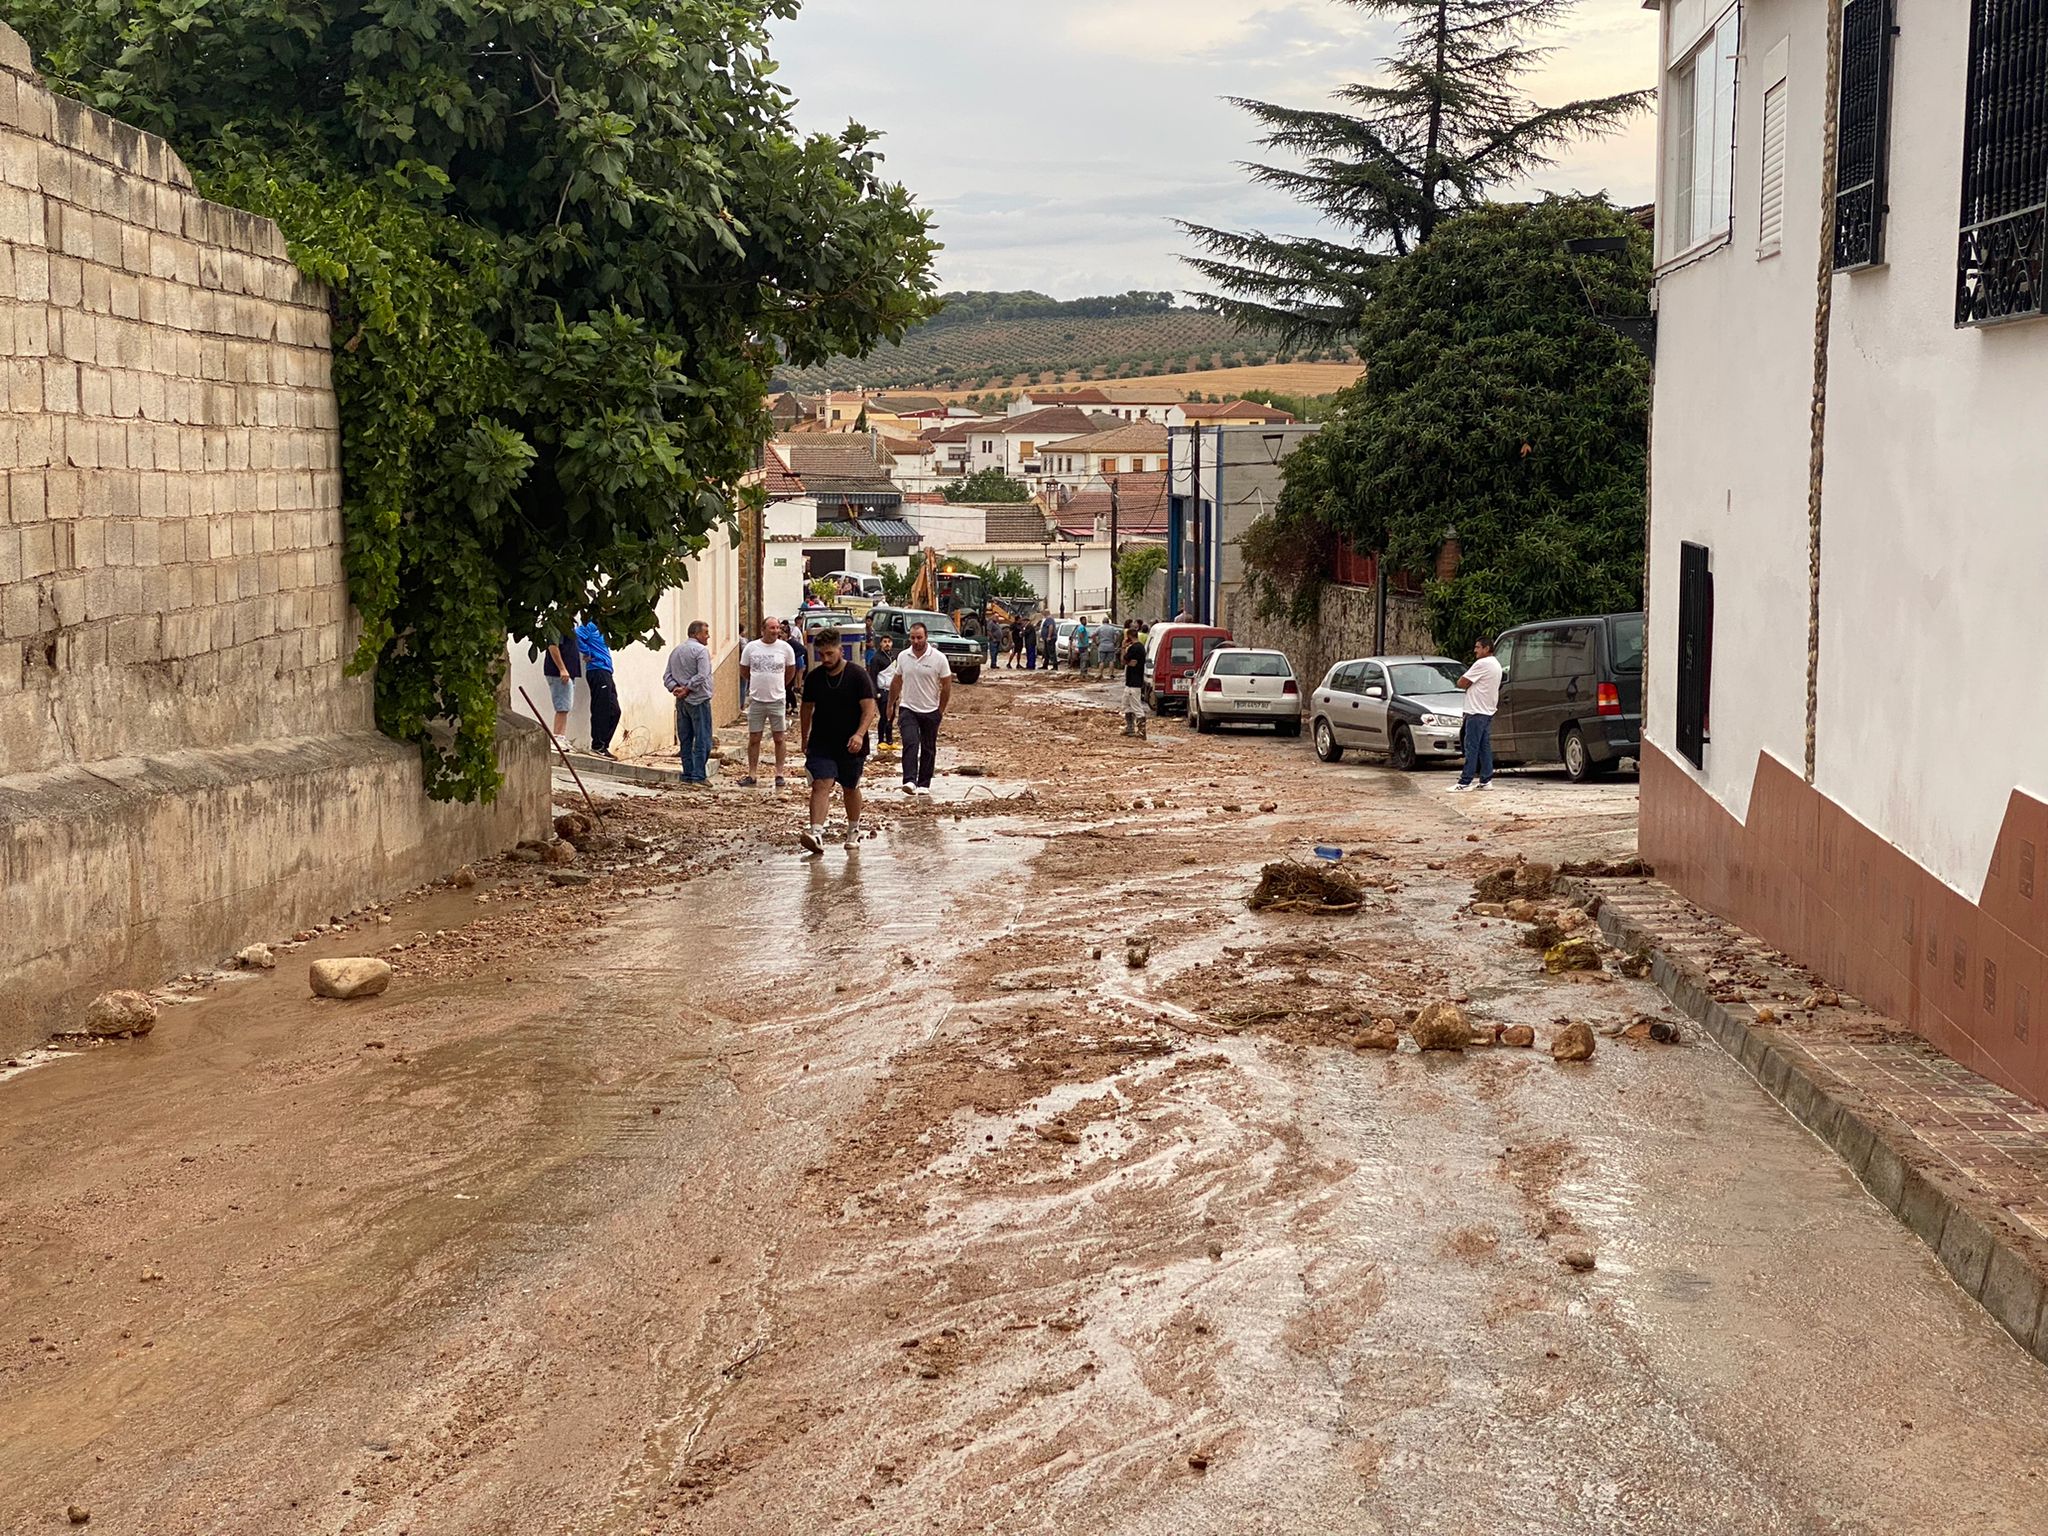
x=964, y=655
x=1571, y=693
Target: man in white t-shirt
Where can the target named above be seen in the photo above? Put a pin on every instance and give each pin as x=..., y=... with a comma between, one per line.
x=1481, y=683
x=769, y=667
x=918, y=696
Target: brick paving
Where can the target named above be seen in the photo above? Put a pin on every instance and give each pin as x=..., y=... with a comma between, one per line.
x=1995, y=1139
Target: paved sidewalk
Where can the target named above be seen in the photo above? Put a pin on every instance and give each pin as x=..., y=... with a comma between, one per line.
x=1962, y=1161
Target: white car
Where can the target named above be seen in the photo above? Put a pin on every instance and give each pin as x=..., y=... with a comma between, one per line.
x=1242, y=685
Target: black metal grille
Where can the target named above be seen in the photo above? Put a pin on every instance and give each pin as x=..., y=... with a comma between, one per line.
x=2002, y=256
x=1862, y=140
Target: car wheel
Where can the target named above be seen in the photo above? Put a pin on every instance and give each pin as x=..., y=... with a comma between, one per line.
x=1402, y=756
x=1202, y=722
x=1327, y=748
x=971, y=675
x=1194, y=718
x=1578, y=759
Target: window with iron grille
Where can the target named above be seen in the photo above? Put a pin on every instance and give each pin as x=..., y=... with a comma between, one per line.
x=2003, y=248
x=1862, y=147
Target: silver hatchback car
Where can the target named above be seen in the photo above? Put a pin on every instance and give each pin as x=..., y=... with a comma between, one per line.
x=1408, y=707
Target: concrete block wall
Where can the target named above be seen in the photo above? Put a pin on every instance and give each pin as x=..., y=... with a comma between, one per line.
x=1343, y=630
x=170, y=481
x=184, y=766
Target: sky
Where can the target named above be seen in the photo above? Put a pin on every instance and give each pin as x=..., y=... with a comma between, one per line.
x=1056, y=140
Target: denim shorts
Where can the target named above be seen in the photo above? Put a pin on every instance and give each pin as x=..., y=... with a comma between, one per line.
x=767, y=717
x=562, y=690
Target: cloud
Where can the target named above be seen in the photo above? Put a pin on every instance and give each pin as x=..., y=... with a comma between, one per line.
x=1055, y=141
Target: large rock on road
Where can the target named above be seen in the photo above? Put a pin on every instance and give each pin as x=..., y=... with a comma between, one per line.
x=350, y=978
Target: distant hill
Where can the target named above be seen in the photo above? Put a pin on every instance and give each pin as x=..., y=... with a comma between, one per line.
x=1003, y=340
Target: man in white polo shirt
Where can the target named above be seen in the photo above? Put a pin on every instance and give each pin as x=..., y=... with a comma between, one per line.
x=770, y=669
x=1481, y=683
x=918, y=695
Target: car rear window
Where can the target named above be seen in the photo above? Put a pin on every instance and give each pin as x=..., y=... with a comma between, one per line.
x=1626, y=634
x=1425, y=677
x=1249, y=664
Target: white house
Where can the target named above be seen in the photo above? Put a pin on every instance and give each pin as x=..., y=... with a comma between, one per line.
x=1164, y=406
x=1138, y=448
x=1845, y=748
x=1014, y=444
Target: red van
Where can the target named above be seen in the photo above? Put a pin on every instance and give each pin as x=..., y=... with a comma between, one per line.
x=1173, y=654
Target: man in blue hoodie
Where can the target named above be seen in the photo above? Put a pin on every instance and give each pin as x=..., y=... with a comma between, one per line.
x=604, y=692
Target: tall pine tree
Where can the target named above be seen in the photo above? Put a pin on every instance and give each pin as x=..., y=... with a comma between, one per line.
x=1446, y=125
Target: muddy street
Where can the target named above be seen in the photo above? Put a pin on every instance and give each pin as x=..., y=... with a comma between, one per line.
x=1004, y=1174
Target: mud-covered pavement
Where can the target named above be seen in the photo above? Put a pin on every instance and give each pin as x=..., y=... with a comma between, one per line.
x=742, y=1192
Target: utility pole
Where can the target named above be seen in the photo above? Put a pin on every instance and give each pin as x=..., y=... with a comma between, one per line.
x=1115, y=489
x=1201, y=588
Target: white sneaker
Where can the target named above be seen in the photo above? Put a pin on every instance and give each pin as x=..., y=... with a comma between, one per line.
x=910, y=789
x=853, y=835
x=1459, y=789
x=1484, y=784
x=812, y=839
x=925, y=790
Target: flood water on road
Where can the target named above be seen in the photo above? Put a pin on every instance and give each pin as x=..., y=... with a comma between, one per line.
x=880, y=1193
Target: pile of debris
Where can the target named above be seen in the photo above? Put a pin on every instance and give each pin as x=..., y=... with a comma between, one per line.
x=1286, y=886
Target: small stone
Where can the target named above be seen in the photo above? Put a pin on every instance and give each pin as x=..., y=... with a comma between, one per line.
x=257, y=957
x=120, y=1013
x=1635, y=964
x=1767, y=1015
x=570, y=877
x=1572, y=955
x=1138, y=954
x=1488, y=909
x=1574, y=1042
x=1522, y=910
x=77, y=1514
x=1216, y=1252
x=1268, y=807
x=572, y=826
x=1441, y=1027
x=1198, y=1461
x=1536, y=879
x=463, y=879
x=527, y=855
x=559, y=853
x=1580, y=1259
x=1520, y=1036
x=1571, y=920
x=354, y=977
x=1381, y=1035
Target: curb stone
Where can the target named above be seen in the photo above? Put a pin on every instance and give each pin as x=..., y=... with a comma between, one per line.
x=1980, y=1254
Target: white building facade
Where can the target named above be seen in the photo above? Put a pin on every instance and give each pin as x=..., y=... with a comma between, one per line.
x=1847, y=536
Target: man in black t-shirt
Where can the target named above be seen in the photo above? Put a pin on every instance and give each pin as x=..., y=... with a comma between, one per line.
x=838, y=717
x=1134, y=681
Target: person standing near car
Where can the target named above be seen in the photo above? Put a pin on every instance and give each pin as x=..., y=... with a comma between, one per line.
x=883, y=658
x=1481, y=682
x=770, y=669
x=1049, y=642
x=1082, y=655
x=919, y=695
x=838, y=715
x=1134, y=681
x=604, y=691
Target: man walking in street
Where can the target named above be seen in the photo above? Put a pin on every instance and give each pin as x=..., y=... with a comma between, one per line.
x=689, y=678
x=604, y=691
x=878, y=670
x=769, y=666
x=838, y=714
x=1481, y=683
x=563, y=666
x=1031, y=646
x=992, y=637
x=918, y=697
x=1049, y=642
x=1135, y=709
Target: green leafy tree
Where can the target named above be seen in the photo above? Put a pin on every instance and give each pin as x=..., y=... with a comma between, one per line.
x=1498, y=409
x=568, y=241
x=1445, y=124
x=1136, y=565
x=986, y=485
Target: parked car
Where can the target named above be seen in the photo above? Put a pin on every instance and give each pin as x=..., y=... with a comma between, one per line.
x=964, y=655
x=1064, y=647
x=1408, y=707
x=1238, y=684
x=1572, y=693
x=1173, y=654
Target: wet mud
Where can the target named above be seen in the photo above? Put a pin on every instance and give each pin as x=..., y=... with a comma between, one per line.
x=738, y=1192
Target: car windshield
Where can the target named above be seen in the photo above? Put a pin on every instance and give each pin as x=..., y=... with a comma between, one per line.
x=934, y=623
x=1415, y=678
x=1250, y=664
x=1627, y=632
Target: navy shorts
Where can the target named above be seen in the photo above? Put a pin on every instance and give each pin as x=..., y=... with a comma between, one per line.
x=843, y=771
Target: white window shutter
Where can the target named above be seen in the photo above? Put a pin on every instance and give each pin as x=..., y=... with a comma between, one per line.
x=1771, y=202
